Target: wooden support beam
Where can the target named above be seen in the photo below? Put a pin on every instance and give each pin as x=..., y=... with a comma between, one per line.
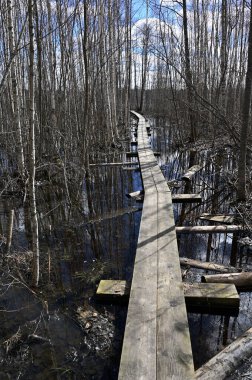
x=242, y=280
x=137, y=195
x=196, y=295
x=191, y=172
x=114, y=164
x=131, y=154
x=113, y=290
x=211, y=296
x=208, y=229
x=207, y=265
x=224, y=364
x=131, y=169
x=186, y=198
x=218, y=218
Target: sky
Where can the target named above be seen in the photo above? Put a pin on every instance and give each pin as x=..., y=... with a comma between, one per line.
x=139, y=9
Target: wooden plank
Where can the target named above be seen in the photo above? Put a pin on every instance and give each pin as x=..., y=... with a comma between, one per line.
x=131, y=169
x=131, y=154
x=138, y=358
x=156, y=342
x=114, y=164
x=196, y=295
x=110, y=290
x=186, y=198
x=208, y=229
x=174, y=352
x=191, y=172
x=212, y=295
x=219, y=218
x=207, y=265
x=136, y=195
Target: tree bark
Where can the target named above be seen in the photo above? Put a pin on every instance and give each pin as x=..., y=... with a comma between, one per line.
x=32, y=151
x=240, y=280
x=224, y=364
x=241, y=190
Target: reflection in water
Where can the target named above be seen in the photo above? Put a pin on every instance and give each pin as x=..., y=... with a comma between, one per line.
x=61, y=332
x=209, y=333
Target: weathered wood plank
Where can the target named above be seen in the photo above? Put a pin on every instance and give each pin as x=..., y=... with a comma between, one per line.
x=138, y=359
x=137, y=195
x=113, y=290
x=208, y=229
x=191, y=173
x=196, y=295
x=219, y=218
x=131, y=154
x=114, y=164
x=157, y=342
x=174, y=359
x=186, y=198
x=212, y=295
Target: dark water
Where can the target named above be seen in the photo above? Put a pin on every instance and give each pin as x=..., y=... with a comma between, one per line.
x=61, y=331
x=209, y=333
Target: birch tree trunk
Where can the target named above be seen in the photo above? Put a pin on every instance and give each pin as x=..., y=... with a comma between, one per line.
x=241, y=191
x=32, y=151
x=188, y=75
x=14, y=91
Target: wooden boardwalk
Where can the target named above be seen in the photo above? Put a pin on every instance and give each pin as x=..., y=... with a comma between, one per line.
x=156, y=342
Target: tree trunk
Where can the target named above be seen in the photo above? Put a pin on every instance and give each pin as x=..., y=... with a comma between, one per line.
x=241, y=191
x=188, y=75
x=224, y=364
x=241, y=280
x=32, y=193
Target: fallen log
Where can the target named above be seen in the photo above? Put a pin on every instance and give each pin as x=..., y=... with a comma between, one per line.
x=209, y=229
x=222, y=365
x=242, y=280
x=114, y=164
x=207, y=265
x=191, y=172
x=219, y=218
x=186, y=198
x=198, y=295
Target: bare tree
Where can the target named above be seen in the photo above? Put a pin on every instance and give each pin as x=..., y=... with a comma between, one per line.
x=32, y=150
x=245, y=127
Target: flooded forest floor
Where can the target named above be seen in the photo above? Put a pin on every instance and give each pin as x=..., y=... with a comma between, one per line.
x=60, y=331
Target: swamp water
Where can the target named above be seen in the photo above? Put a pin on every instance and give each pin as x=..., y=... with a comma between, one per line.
x=61, y=331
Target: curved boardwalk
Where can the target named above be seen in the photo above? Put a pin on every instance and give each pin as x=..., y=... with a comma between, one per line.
x=156, y=341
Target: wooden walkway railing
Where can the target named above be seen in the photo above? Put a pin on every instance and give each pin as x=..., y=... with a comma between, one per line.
x=156, y=341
